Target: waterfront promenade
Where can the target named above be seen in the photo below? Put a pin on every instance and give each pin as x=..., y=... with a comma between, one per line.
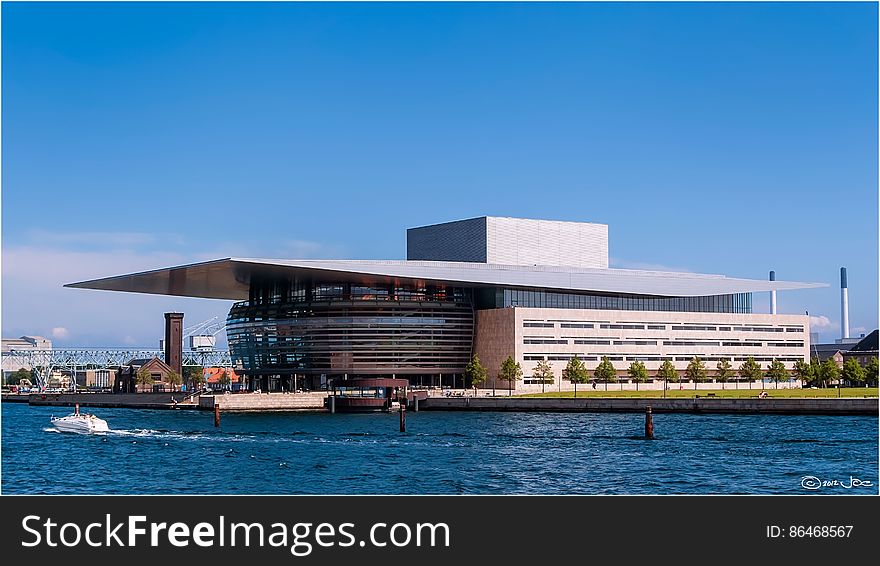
x=778, y=402
x=754, y=405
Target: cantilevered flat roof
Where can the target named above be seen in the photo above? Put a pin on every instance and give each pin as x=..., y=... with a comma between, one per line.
x=229, y=278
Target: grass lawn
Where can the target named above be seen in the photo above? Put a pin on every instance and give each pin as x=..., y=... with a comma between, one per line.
x=729, y=393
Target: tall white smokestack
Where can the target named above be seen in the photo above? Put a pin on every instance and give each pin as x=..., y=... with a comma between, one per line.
x=773, y=294
x=844, y=305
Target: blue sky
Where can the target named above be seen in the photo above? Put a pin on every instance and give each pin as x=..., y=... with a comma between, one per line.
x=718, y=138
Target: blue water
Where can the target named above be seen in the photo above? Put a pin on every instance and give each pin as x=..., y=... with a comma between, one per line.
x=161, y=452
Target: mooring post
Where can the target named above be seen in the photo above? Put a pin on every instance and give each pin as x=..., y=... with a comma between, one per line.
x=331, y=400
x=649, y=423
x=402, y=418
x=416, y=403
x=216, y=414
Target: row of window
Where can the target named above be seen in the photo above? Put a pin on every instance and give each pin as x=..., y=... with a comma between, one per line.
x=638, y=358
x=537, y=298
x=657, y=326
x=601, y=342
x=280, y=291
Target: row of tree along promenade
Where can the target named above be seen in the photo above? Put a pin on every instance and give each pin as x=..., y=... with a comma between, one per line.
x=813, y=375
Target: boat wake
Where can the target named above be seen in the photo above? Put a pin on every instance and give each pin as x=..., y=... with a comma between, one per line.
x=80, y=432
x=159, y=434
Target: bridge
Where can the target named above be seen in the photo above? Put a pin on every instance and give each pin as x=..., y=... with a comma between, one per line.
x=44, y=362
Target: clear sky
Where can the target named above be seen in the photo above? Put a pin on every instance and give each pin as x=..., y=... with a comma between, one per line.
x=717, y=138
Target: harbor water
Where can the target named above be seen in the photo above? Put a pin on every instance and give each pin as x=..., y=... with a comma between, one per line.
x=181, y=452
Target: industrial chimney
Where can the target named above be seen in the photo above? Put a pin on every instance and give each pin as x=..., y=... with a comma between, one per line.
x=844, y=305
x=174, y=341
x=773, y=294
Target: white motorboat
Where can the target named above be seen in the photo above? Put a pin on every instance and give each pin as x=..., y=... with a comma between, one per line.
x=80, y=422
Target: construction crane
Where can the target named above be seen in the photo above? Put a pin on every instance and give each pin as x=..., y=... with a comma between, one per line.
x=203, y=336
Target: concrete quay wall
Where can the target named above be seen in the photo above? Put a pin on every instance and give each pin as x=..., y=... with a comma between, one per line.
x=834, y=406
x=130, y=400
x=15, y=398
x=264, y=402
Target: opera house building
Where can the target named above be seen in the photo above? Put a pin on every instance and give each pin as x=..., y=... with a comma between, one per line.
x=491, y=286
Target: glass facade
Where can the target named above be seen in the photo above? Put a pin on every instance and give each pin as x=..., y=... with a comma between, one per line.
x=273, y=291
x=539, y=298
x=334, y=329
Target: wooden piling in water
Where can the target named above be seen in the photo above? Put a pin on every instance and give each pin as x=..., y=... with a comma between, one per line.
x=402, y=418
x=216, y=414
x=649, y=423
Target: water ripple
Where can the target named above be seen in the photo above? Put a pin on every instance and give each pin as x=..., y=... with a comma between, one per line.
x=467, y=453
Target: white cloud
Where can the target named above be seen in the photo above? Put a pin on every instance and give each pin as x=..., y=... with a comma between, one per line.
x=59, y=332
x=821, y=323
x=49, y=267
x=34, y=274
x=34, y=297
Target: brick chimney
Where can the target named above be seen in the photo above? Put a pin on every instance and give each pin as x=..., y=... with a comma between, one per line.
x=174, y=341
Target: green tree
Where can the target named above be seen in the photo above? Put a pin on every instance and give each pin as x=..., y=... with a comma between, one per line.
x=475, y=373
x=17, y=376
x=853, y=372
x=544, y=372
x=575, y=372
x=777, y=372
x=175, y=379
x=723, y=371
x=803, y=371
x=815, y=373
x=751, y=370
x=144, y=378
x=638, y=373
x=696, y=371
x=828, y=372
x=605, y=372
x=511, y=372
x=199, y=380
x=193, y=376
x=871, y=372
x=668, y=373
